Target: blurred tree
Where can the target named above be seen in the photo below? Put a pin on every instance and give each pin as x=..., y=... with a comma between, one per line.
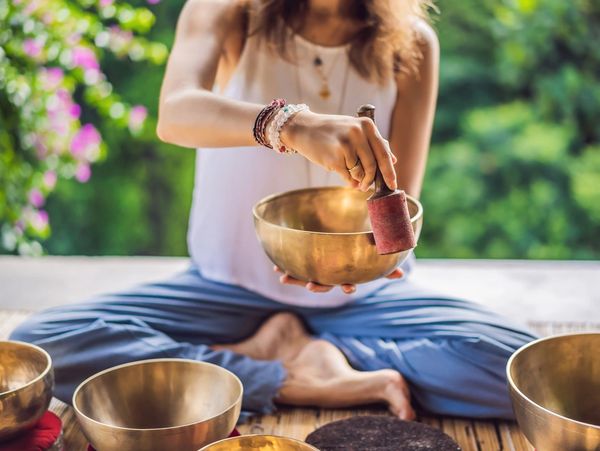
x=514, y=169
x=48, y=64
x=518, y=179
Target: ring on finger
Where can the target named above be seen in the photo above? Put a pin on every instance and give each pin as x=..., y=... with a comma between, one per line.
x=356, y=165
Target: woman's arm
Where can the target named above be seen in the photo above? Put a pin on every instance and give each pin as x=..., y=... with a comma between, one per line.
x=190, y=114
x=412, y=120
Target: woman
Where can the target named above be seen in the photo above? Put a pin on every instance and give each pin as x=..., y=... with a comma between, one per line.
x=386, y=341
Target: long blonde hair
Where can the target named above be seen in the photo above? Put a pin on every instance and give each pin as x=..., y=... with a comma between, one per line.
x=387, y=42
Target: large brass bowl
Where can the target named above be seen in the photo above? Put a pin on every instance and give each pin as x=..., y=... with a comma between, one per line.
x=26, y=384
x=555, y=389
x=259, y=443
x=158, y=404
x=324, y=235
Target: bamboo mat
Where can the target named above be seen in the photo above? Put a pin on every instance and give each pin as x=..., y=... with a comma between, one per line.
x=299, y=422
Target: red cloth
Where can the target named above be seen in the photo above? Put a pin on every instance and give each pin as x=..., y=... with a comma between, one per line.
x=43, y=435
x=234, y=433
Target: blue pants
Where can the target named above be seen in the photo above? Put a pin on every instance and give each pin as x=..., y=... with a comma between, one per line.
x=452, y=352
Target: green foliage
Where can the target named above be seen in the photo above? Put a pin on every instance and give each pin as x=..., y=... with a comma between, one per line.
x=516, y=173
x=514, y=168
x=49, y=63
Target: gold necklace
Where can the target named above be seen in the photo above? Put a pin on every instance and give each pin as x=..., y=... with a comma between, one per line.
x=344, y=83
x=325, y=92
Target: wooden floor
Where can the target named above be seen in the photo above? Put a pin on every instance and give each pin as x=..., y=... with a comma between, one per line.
x=298, y=423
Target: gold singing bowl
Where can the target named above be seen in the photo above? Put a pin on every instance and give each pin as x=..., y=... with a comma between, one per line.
x=259, y=443
x=555, y=390
x=158, y=405
x=26, y=384
x=324, y=235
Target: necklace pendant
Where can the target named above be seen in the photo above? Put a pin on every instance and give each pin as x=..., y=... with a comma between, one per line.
x=325, y=93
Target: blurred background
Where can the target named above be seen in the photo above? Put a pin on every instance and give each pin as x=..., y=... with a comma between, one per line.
x=514, y=168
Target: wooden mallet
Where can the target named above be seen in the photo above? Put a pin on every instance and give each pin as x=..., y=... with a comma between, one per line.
x=388, y=211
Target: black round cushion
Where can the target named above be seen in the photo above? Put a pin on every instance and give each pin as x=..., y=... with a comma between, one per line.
x=380, y=433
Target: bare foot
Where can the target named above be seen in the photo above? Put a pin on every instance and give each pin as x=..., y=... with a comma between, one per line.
x=281, y=337
x=321, y=376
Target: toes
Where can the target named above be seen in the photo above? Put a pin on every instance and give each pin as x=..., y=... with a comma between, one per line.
x=397, y=395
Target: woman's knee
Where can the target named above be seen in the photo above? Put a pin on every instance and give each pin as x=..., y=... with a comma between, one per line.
x=28, y=330
x=46, y=324
x=465, y=377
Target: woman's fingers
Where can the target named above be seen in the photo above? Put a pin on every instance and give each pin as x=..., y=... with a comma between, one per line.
x=286, y=279
x=358, y=173
x=381, y=152
x=318, y=288
x=312, y=286
x=395, y=274
x=367, y=160
x=315, y=287
x=348, y=288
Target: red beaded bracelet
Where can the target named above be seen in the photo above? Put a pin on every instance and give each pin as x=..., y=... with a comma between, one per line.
x=263, y=118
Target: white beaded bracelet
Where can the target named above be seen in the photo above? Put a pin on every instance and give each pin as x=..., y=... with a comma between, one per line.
x=277, y=123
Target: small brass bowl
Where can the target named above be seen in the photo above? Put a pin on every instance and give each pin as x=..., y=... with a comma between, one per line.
x=158, y=404
x=259, y=443
x=554, y=385
x=324, y=235
x=26, y=384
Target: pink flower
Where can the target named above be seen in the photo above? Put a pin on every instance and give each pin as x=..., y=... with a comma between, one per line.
x=75, y=110
x=85, y=58
x=119, y=38
x=40, y=221
x=52, y=77
x=153, y=2
x=32, y=48
x=40, y=146
x=137, y=116
x=31, y=7
x=36, y=198
x=86, y=140
x=49, y=179
x=48, y=17
x=83, y=172
x=43, y=217
x=105, y=3
x=37, y=220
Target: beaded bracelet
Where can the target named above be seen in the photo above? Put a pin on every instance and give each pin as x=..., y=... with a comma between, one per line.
x=263, y=118
x=277, y=123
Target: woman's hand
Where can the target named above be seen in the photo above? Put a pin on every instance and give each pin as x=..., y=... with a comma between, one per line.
x=338, y=143
x=347, y=288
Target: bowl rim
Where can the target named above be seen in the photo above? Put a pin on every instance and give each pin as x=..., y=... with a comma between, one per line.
x=257, y=435
x=36, y=379
x=270, y=197
x=514, y=387
x=78, y=411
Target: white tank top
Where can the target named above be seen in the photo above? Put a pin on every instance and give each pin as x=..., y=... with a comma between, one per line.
x=229, y=181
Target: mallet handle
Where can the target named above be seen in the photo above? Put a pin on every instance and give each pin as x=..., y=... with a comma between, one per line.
x=381, y=189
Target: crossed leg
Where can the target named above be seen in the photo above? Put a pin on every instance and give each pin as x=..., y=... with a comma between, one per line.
x=318, y=373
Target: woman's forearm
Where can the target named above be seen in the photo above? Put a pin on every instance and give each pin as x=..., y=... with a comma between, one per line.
x=190, y=113
x=201, y=118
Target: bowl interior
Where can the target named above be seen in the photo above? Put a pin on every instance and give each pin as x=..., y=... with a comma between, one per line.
x=20, y=364
x=561, y=374
x=158, y=394
x=323, y=210
x=259, y=443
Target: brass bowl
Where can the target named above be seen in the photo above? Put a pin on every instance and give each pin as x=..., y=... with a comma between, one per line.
x=555, y=390
x=26, y=384
x=324, y=235
x=158, y=404
x=259, y=443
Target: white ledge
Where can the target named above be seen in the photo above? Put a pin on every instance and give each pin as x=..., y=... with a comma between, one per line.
x=522, y=289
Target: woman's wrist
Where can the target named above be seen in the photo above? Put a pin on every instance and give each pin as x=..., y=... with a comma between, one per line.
x=294, y=128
